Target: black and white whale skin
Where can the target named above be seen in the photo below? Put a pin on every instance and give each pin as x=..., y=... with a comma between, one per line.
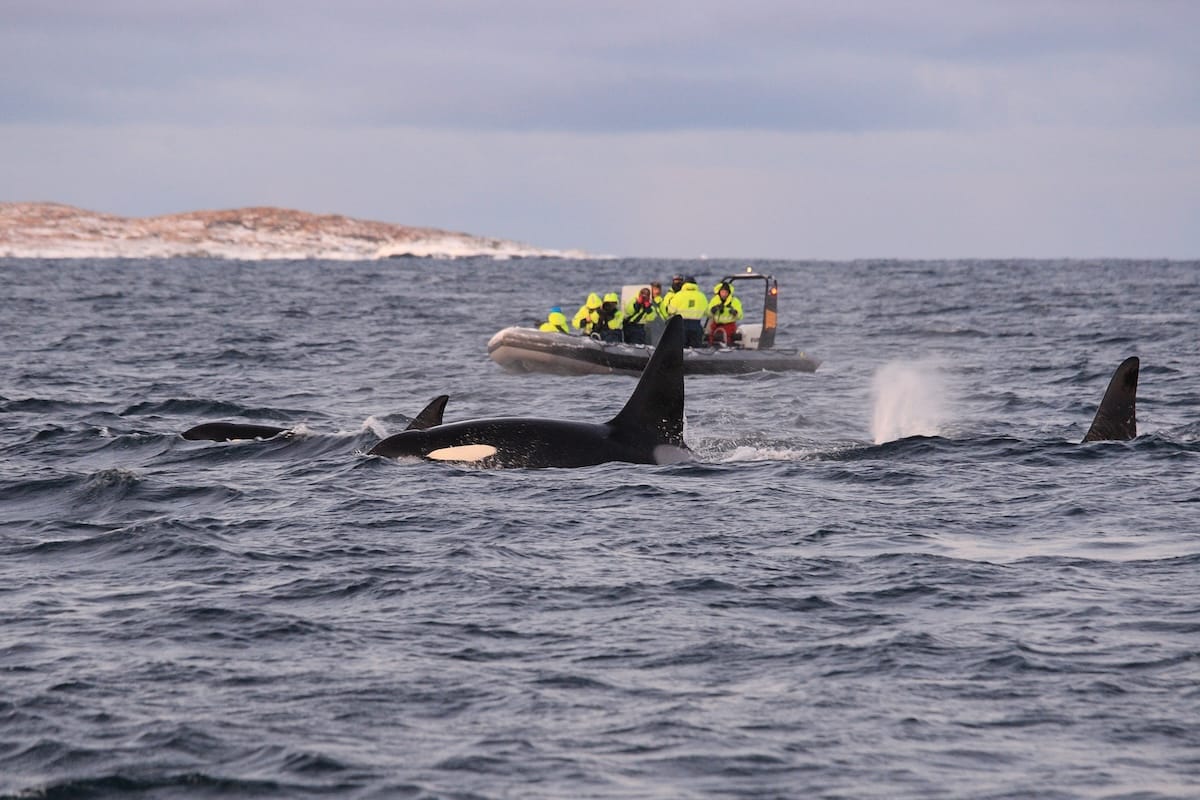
x=648, y=430
x=429, y=417
x=1116, y=419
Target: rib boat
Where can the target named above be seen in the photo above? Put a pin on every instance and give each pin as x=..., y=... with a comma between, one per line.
x=528, y=350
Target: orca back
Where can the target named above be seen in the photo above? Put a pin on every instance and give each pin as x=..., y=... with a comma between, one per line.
x=230, y=431
x=1116, y=419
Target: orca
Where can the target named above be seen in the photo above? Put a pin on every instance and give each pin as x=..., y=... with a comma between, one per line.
x=1116, y=419
x=648, y=430
x=430, y=416
x=228, y=431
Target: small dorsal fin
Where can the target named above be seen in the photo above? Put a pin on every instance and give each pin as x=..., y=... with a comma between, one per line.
x=1116, y=419
x=431, y=415
x=656, y=406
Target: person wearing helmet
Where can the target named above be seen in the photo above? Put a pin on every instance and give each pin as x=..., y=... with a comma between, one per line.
x=611, y=319
x=724, y=312
x=691, y=304
x=588, y=315
x=556, y=322
x=641, y=310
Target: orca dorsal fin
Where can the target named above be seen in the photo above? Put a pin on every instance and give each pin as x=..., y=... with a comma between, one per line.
x=1116, y=419
x=431, y=415
x=656, y=406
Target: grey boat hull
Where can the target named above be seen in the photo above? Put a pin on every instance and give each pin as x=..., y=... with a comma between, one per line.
x=525, y=350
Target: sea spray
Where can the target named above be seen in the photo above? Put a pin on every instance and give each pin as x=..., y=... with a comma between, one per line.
x=909, y=399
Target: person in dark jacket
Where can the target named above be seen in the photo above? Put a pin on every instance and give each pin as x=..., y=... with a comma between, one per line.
x=638, y=314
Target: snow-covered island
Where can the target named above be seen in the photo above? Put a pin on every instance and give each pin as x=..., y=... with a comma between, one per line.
x=53, y=230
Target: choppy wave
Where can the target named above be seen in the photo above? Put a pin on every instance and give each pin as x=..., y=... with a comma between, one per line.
x=982, y=607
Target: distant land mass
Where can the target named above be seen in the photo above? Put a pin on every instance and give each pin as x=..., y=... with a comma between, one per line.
x=54, y=230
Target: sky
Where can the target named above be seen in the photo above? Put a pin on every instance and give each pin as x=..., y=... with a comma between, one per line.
x=797, y=129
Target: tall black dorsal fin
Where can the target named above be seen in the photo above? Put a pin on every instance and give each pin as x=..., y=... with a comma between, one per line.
x=431, y=415
x=1116, y=419
x=656, y=406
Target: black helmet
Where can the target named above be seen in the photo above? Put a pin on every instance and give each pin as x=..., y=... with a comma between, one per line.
x=690, y=279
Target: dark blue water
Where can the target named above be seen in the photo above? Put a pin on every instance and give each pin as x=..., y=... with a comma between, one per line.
x=989, y=610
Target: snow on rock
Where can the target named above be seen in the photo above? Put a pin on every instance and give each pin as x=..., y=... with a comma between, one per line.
x=53, y=230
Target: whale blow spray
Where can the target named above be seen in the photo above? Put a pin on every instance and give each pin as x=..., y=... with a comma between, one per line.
x=909, y=399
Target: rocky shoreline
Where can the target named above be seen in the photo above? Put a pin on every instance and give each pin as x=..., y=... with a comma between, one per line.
x=54, y=230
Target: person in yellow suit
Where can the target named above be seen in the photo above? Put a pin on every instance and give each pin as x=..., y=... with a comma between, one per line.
x=611, y=319
x=665, y=303
x=556, y=322
x=724, y=313
x=588, y=315
x=691, y=304
x=657, y=298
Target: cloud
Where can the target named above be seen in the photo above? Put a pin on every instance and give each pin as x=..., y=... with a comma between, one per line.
x=625, y=66
x=761, y=128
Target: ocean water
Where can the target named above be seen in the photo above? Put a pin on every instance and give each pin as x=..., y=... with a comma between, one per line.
x=900, y=576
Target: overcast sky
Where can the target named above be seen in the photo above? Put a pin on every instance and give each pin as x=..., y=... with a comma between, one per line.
x=740, y=128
